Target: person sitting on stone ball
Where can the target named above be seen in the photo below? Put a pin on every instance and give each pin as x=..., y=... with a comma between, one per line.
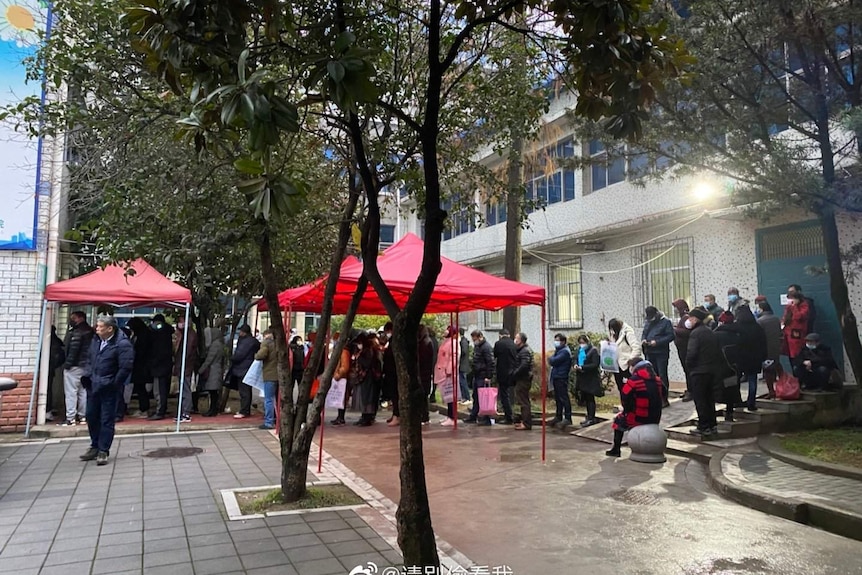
x=814, y=365
x=642, y=399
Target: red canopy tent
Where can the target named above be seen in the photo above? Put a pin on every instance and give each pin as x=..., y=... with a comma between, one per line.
x=135, y=284
x=459, y=288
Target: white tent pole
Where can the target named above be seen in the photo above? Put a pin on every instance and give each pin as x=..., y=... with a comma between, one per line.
x=46, y=376
x=36, y=368
x=183, y=368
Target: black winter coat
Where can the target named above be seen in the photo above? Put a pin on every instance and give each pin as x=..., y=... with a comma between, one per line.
x=243, y=355
x=523, y=370
x=483, y=361
x=110, y=367
x=141, y=369
x=821, y=356
x=589, y=378
x=751, y=345
x=506, y=356
x=77, y=345
x=681, y=334
x=162, y=350
x=704, y=353
x=425, y=359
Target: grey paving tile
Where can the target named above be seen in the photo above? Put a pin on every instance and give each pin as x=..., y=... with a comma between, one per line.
x=122, y=527
x=32, y=549
x=165, y=544
x=20, y=563
x=162, y=522
x=205, y=528
x=217, y=566
x=166, y=533
x=179, y=569
x=291, y=529
x=115, y=564
x=310, y=553
x=257, y=546
x=379, y=544
x=210, y=539
x=284, y=520
x=318, y=516
x=120, y=538
x=70, y=556
x=73, y=543
x=339, y=536
x=350, y=548
x=66, y=569
x=212, y=552
x=276, y=570
x=32, y=536
x=293, y=541
x=265, y=559
x=351, y=561
x=320, y=567
x=394, y=557
x=251, y=534
x=329, y=525
x=166, y=558
x=109, y=551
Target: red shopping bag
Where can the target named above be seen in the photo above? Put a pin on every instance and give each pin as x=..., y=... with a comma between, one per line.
x=488, y=401
x=786, y=386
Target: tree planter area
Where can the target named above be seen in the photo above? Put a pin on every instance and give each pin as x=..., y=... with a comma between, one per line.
x=265, y=501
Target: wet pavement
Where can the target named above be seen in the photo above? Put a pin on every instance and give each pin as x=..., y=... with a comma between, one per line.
x=495, y=502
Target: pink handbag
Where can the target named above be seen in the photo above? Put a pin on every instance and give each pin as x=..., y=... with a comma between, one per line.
x=488, y=401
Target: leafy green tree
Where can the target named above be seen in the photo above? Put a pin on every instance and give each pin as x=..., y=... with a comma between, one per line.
x=773, y=109
x=249, y=67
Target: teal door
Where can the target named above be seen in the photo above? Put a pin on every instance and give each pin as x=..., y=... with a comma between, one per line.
x=783, y=255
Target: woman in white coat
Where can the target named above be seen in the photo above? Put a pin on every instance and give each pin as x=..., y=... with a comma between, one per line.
x=446, y=367
x=628, y=346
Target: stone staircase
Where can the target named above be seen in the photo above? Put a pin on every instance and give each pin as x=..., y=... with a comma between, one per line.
x=812, y=409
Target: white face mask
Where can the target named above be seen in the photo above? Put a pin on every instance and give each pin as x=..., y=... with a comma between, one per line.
x=689, y=324
x=582, y=346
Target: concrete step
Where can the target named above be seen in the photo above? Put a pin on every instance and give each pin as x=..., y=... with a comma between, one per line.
x=797, y=407
x=683, y=433
x=740, y=428
x=771, y=420
x=698, y=451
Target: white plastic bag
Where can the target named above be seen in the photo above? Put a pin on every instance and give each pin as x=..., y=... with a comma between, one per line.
x=610, y=357
x=335, y=396
x=254, y=375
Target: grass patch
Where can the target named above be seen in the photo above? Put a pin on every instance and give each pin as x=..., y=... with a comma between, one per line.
x=252, y=502
x=842, y=446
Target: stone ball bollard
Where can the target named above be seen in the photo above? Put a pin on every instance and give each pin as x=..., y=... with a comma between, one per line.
x=647, y=443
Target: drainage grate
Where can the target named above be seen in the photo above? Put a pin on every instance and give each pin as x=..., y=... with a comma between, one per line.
x=172, y=452
x=634, y=497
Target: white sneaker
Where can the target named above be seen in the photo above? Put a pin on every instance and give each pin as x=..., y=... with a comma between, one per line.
x=239, y=416
x=447, y=422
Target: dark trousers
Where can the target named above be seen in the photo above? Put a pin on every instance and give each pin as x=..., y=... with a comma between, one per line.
x=562, y=399
x=143, y=397
x=522, y=398
x=391, y=388
x=505, y=392
x=817, y=378
x=620, y=378
x=704, y=400
x=590, y=404
x=244, y=396
x=164, y=384
x=660, y=362
x=101, y=414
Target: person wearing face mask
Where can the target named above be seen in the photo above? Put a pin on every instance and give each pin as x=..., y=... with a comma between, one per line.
x=589, y=380
x=680, y=340
x=483, y=371
x=505, y=357
x=734, y=302
x=771, y=325
x=628, y=346
x=77, y=360
x=268, y=356
x=656, y=339
x=812, y=309
x=815, y=364
x=522, y=375
x=795, y=326
x=704, y=361
x=561, y=366
x=711, y=307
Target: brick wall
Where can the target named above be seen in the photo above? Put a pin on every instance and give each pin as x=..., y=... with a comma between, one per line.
x=20, y=309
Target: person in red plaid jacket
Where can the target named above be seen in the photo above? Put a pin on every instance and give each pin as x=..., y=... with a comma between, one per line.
x=642, y=398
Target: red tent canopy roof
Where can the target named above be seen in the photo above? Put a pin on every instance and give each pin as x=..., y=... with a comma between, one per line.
x=114, y=286
x=459, y=287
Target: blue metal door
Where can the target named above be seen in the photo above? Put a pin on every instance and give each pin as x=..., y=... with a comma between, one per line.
x=784, y=256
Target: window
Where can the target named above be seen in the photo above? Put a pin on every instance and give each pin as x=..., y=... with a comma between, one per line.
x=666, y=273
x=461, y=219
x=566, y=296
x=549, y=182
x=494, y=320
x=495, y=212
x=387, y=234
x=606, y=170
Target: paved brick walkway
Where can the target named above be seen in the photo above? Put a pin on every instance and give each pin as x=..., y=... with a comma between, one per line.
x=771, y=475
x=154, y=516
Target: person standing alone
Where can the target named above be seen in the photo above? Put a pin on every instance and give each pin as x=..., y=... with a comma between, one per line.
x=77, y=345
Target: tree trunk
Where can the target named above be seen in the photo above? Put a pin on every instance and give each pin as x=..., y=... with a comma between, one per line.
x=514, y=254
x=297, y=422
x=839, y=292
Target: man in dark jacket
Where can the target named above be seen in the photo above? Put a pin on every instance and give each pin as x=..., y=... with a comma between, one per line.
x=505, y=355
x=161, y=363
x=77, y=346
x=704, y=361
x=561, y=366
x=243, y=356
x=464, y=367
x=680, y=339
x=656, y=339
x=522, y=375
x=815, y=364
x=111, y=361
x=483, y=370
